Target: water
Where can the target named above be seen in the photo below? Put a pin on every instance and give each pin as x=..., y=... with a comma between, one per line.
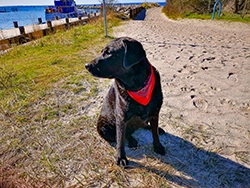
x=26, y=15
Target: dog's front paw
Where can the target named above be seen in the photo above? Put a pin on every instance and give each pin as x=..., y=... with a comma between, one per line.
x=122, y=162
x=158, y=148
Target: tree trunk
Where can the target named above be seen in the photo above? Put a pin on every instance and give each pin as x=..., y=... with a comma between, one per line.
x=209, y=5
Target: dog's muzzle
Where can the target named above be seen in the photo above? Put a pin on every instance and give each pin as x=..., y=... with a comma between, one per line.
x=94, y=70
x=89, y=66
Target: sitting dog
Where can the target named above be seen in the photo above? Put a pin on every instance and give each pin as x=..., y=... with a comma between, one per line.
x=133, y=100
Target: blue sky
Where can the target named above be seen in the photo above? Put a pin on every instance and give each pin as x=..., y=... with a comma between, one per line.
x=50, y=2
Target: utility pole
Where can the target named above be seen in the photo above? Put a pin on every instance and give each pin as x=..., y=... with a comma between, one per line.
x=105, y=18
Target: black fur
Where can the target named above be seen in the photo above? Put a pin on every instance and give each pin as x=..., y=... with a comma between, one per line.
x=124, y=59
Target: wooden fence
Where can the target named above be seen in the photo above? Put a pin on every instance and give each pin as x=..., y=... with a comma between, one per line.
x=135, y=11
x=24, y=34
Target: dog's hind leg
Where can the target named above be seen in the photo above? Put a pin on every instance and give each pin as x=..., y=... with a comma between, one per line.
x=106, y=131
x=158, y=148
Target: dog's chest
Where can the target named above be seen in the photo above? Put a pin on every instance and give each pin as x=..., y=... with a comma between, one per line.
x=132, y=108
x=122, y=106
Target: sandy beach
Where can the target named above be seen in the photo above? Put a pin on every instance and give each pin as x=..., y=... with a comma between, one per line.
x=205, y=75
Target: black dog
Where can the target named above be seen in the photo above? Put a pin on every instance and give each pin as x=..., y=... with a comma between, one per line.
x=133, y=100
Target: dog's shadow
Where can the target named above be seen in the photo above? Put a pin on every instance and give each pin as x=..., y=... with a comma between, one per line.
x=199, y=168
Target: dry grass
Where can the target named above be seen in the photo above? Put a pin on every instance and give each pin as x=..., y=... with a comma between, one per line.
x=60, y=147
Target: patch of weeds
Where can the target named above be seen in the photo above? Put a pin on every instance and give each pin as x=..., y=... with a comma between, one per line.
x=94, y=90
x=21, y=118
x=55, y=62
x=76, y=80
x=7, y=76
x=50, y=113
x=79, y=89
x=66, y=108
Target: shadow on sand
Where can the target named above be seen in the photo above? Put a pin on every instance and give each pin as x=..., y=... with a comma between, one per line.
x=199, y=168
x=141, y=16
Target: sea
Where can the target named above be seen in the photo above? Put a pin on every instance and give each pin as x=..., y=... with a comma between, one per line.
x=28, y=15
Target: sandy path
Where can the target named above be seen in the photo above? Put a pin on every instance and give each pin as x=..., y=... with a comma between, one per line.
x=205, y=72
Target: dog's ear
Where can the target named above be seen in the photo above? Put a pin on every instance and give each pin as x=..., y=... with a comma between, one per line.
x=133, y=54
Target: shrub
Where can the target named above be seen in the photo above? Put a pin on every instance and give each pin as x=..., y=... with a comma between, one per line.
x=178, y=8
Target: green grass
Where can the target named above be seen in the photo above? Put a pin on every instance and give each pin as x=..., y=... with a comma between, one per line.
x=27, y=72
x=224, y=16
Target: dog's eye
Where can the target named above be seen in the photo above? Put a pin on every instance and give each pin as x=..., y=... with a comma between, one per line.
x=106, y=53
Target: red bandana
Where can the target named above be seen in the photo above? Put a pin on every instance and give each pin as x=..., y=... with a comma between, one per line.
x=143, y=96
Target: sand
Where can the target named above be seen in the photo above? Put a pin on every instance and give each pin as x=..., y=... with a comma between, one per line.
x=205, y=76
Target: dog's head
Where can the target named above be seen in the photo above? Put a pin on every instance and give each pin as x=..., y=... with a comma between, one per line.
x=117, y=58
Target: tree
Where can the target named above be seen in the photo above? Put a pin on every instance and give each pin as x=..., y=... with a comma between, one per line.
x=206, y=6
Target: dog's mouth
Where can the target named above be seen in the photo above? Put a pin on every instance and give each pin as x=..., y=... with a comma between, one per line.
x=96, y=71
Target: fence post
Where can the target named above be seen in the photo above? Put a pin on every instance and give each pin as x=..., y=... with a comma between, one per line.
x=49, y=24
x=67, y=21
x=22, y=30
x=40, y=20
x=22, y=38
x=15, y=24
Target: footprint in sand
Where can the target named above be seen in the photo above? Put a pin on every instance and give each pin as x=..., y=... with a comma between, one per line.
x=190, y=78
x=201, y=104
x=208, y=90
x=220, y=64
x=209, y=59
x=187, y=69
x=230, y=102
x=232, y=77
x=204, y=68
x=245, y=107
x=191, y=57
x=187, y=89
